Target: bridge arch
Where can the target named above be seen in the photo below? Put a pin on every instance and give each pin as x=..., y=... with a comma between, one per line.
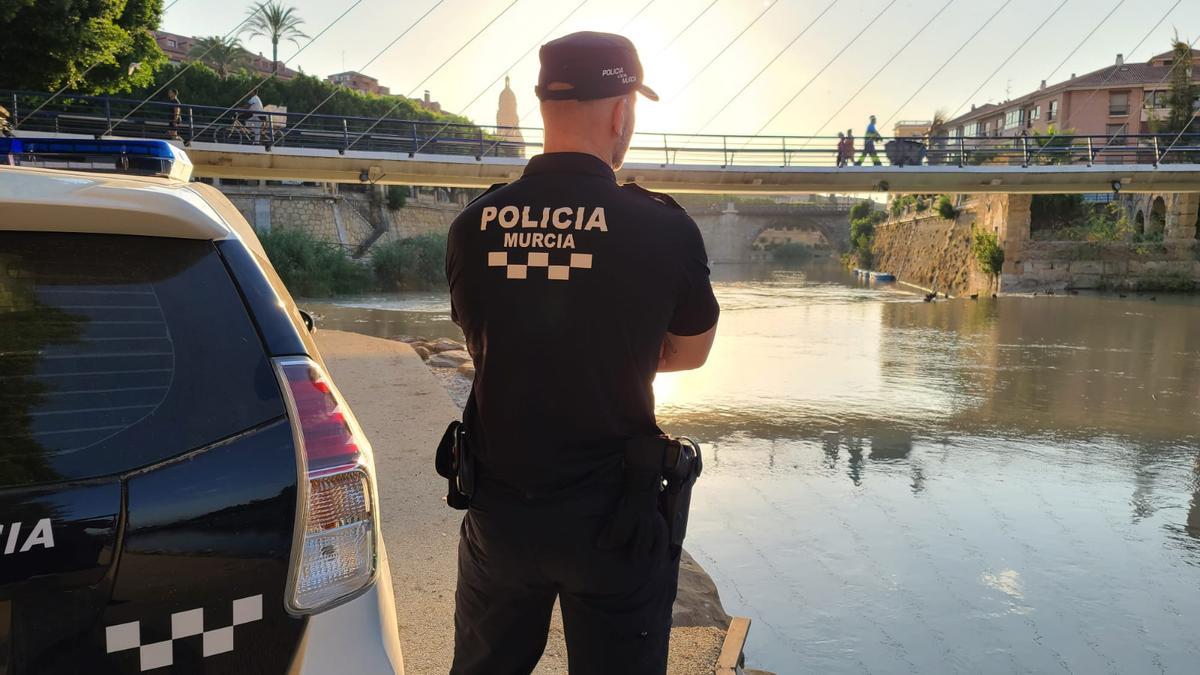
x=1139, y=223
x=1156, y=225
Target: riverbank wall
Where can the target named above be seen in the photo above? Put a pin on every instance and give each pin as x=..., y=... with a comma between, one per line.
x=926, y=250
x=354, y=219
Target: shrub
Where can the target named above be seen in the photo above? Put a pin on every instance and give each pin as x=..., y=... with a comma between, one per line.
x=414, y=263
x=314, y=269
x=397, y=197
x=792, y=252
x=988, y=253
x=945, y=208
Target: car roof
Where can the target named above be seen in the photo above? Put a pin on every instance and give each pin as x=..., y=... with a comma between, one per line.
x=53, y=200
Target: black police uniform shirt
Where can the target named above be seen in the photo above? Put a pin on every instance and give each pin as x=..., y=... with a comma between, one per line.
x=565, y=285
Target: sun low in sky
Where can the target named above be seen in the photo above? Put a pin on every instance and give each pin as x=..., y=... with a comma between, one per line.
x=779, y=67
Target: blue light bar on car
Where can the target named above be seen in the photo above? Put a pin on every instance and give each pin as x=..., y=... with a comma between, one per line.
x=137, y=157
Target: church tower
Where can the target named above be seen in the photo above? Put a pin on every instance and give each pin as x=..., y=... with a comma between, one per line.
x=506, y=116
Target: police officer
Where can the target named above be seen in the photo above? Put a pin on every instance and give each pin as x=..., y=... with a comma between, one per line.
x=572, y=291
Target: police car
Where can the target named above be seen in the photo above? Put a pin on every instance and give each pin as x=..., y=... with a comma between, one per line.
x=182, y=487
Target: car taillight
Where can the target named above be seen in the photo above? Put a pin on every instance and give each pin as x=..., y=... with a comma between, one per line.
x=334, y=553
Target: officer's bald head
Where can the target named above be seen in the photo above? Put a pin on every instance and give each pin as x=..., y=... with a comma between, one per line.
x=601, y=127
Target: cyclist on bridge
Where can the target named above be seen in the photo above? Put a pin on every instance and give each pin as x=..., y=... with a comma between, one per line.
x=572, y=291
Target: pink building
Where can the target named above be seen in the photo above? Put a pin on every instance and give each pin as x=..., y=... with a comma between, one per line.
x=358, y=82
x=1120, y=99
x=177, y=48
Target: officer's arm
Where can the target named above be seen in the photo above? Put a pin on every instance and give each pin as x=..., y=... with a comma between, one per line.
x=686, y=352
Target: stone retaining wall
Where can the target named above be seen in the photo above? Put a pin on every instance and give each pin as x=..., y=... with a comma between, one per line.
x=932, y=253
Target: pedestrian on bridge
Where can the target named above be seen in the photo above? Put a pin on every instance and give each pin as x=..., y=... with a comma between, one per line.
x=843, y=155
x=869, y=139
x=176, y=114
x=849, y=147
x=572, y=291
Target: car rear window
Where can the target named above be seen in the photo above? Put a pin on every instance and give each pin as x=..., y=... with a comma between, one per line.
x=117, y=352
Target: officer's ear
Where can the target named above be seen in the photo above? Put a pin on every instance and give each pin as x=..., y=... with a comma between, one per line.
x=622, y=111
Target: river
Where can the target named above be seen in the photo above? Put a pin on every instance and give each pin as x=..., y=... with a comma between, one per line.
x=894, y=486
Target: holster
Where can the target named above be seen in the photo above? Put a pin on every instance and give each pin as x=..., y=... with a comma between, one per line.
x=455, y=462
x=682, y=466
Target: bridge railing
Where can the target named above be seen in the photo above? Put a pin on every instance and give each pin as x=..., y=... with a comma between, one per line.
x=100, y=116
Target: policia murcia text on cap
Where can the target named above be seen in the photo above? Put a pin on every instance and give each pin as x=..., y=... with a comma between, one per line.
x=573, y=291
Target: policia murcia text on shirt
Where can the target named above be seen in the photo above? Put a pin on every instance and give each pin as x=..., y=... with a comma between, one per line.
x=572, y=291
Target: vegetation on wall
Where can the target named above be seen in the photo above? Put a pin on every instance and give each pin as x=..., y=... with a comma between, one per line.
x=90, y=46
x=945, y=208
x=1070, y=218
x=986, y=249
x=863, y=219
x=315, y=269
x=414, y=263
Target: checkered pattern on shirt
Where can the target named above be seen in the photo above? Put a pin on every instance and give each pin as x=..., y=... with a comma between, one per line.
x=513, y=270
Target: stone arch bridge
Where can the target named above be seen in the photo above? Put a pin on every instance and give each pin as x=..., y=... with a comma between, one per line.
x=730, y=229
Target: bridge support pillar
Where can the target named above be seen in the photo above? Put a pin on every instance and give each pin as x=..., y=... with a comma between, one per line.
x=1008, y=217
x=1181, y=216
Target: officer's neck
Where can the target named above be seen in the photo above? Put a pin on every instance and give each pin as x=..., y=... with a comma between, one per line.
x=600, y=151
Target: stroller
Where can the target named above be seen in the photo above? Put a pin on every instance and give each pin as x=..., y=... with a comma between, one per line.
x=904, y=152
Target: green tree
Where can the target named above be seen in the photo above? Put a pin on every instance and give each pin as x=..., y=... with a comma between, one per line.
x=92, y=46
x=271, y=19
x=224, y=55
x=1184, y=91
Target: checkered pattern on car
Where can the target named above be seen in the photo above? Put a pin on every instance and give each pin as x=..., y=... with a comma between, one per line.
x=188, y=623
x=537, y=259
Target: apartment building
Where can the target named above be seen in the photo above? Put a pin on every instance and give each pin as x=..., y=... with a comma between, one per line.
x=358, y=82
x=1119, y=99
x=178, y=50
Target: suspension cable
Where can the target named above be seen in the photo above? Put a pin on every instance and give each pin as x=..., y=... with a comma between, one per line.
x=945, y=63
x=520, y=58
x=441, y=65
x=1009, y=57
x=823, y=69
x=762, y=70
x=530, y=111
x=1067, y=122
x=1192, y=119
x=635, y=16
x=236, y=29
x=274, y=71
x=685, y=28
x=881, y=69
x=720, y=53
x=17, y=123
x=381, y=52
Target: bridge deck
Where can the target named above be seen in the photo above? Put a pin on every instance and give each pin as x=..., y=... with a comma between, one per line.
x=288, y=163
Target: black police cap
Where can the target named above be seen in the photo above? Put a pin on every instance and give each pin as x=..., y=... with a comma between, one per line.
x=585, y=66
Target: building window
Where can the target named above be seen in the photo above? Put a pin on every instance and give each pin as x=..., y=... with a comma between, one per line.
x=1012, y=118
x=1052, y=111
x=1035, y=113
x=1115, y=132
x=1118, y=103
x=971, y=129
x=1157, y=99
x=172, y=43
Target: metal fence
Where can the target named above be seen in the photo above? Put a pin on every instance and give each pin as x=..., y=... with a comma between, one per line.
x=102, y=116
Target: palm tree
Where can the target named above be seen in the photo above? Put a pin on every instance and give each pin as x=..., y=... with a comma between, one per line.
x=221, y=53
x=271, y=19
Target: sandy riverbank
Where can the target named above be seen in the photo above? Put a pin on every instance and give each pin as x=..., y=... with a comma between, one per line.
x=403, y=409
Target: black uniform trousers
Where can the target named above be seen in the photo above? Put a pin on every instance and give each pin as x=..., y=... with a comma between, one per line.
x=515, y=556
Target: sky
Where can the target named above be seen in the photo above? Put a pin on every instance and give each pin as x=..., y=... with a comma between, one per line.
x=821, y=73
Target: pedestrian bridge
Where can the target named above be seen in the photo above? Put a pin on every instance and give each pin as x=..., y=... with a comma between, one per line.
x=315, y=147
